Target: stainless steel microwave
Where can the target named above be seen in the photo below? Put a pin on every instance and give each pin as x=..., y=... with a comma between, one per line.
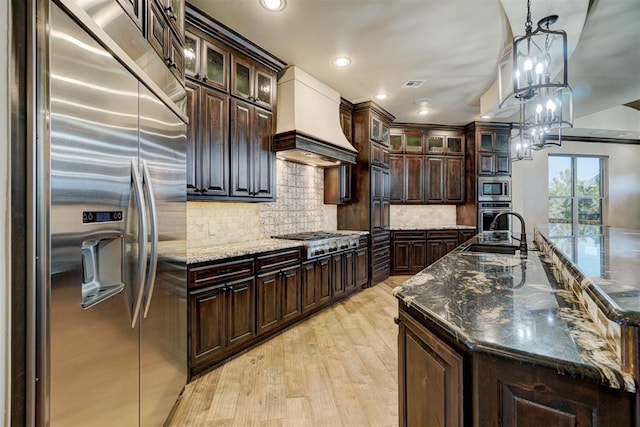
x=494, y=189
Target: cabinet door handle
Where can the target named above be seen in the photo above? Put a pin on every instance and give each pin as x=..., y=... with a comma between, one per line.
x=396, y=320
x=205, y=78
x=204, y=190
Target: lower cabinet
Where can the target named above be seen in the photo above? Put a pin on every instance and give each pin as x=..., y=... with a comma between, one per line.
x=316, y=284
x=413, y=250
x=446, y=385
x=221, y=317
x=235, y=303
x=278, y=298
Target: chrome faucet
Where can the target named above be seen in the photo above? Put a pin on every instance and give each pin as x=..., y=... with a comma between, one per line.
x=523, y=231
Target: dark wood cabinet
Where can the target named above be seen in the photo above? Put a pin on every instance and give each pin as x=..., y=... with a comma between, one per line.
x=444, y=383
x=338, y=181
x=362, y=265
x=207, y=142
x=221, y=318
x=440, y=243
x=316, y=284
x=370, y=206
x=464, y=235
x=230, y=97
x=413, y=250
x=445, y=179
x=493, y=150
x=252, y=82
x=165, y=33
x=408, y=251
x=206, y=60
x=252, y=158
x=428, y=165
x=278, y=297
x=430, y=378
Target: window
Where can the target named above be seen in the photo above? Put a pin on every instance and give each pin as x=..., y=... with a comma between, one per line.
x=576, y=192
x=576, y=206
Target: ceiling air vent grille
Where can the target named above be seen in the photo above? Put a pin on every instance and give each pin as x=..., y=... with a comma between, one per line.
x=413, y=83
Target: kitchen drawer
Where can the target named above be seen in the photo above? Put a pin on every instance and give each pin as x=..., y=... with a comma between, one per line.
x=442, y=234
x=278, y=260
x=363, y=242
x=408, y=235
x=210, y=274
x=380, y=255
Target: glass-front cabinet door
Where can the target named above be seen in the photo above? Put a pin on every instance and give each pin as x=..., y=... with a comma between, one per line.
x=264, y=88
x=413, y=142
x=241, y=81
x=205, y=61
x=395, y=143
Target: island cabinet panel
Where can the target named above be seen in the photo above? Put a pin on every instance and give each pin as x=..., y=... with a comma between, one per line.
x=431, y=378
x=511, y=395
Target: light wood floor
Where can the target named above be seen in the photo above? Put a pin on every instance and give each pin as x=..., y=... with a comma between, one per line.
x=337, y=368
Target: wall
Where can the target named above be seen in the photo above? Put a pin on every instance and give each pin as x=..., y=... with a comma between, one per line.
x=529, y=182
x=5, y=298
x=299, y=207
x=422, y=216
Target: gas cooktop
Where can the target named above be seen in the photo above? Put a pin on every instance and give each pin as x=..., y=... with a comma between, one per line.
x=318, y=243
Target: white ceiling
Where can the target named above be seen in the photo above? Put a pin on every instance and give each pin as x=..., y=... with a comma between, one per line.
x=454, y=45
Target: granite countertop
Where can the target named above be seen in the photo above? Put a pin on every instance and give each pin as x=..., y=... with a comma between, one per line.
x=512, y=306
x=437, y=227
x=230, y=250
x=606, y=259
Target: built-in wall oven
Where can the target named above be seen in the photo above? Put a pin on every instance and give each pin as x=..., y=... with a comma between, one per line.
x=487, y=211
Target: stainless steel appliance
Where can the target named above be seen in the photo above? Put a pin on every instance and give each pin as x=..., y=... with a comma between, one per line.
x=494, y=189
x=487, y=211
x=112, y=336
x=318, y=243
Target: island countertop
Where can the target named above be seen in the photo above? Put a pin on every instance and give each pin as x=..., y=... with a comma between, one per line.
x=605, y=261
x=513, y=307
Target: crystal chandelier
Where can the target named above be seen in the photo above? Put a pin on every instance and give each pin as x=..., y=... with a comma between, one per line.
x=526, y=81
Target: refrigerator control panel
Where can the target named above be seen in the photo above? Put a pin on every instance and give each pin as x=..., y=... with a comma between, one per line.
x=103, y=216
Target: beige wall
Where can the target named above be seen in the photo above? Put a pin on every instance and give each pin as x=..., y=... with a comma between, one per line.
x=623, y=184
x=4, y=214
x=299, y=207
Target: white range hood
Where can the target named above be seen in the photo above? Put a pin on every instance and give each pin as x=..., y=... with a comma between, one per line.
x=308, y=122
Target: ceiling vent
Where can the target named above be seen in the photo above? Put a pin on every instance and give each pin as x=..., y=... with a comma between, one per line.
x=413, y=83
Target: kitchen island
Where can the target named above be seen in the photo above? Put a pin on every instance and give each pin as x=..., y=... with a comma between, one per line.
x=494, y=339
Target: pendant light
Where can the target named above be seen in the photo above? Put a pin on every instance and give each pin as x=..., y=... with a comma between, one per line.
x=527, y=81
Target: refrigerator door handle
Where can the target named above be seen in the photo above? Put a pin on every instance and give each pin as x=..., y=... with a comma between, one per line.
x=153, y=214
x=142, y=238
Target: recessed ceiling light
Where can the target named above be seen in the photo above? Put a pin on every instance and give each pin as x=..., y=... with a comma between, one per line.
x=273, y=5
x=485, y=116
x=341, y=61
x=423, y=112
x=422, y=101
x=381, y=95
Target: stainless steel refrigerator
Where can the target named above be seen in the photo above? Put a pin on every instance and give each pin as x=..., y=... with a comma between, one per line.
x=112, y=346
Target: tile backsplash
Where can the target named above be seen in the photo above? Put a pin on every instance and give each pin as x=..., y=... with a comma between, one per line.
x=421, y=216
x=299, y=207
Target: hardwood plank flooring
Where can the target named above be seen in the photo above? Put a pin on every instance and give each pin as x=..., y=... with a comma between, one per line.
x=337, y=368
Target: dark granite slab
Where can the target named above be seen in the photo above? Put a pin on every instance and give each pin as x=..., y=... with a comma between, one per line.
x=606, y=261
x=512, y=306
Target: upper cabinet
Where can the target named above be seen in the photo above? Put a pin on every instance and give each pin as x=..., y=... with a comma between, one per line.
x=165, y=32
x=493, y=150
x=427, y=164
x=206, y=61
x=231, y=96
x=252, y=82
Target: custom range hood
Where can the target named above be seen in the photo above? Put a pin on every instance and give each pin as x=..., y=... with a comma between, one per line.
x=308, y=122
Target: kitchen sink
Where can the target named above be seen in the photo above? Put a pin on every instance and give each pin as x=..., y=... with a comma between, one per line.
x=491, y=248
